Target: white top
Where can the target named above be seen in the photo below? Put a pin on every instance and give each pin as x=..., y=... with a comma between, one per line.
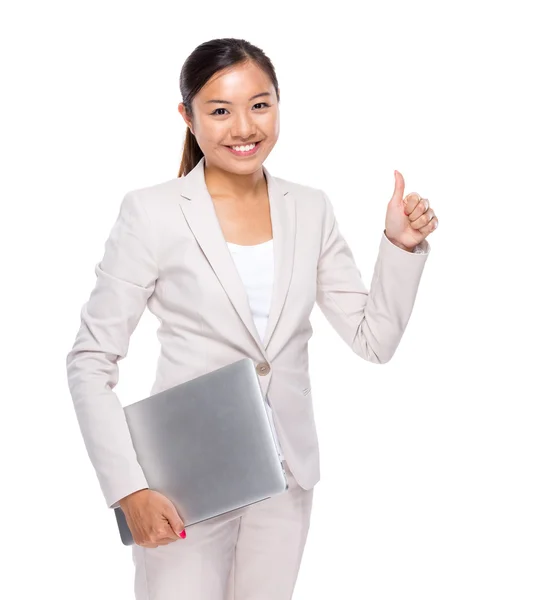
x=255, y=265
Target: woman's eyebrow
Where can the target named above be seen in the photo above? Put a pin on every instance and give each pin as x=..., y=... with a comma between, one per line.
x=227, y=102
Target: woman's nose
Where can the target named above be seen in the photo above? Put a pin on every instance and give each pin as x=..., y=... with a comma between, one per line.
x=243, y=129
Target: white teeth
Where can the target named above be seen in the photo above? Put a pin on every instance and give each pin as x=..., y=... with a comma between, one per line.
x=243, y=148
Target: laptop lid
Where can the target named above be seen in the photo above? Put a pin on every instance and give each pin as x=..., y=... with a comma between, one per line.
x=207, y=444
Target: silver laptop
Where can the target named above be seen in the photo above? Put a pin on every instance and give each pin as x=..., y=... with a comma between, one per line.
x=207, y=444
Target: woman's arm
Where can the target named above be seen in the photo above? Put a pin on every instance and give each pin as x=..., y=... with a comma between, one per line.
x=126, y=278
x=370, y=322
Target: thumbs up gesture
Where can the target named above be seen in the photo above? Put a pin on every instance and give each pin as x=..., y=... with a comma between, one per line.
x=409, y=220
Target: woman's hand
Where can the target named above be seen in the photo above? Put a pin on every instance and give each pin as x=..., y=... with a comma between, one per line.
x=409, y=220
x=152, y=518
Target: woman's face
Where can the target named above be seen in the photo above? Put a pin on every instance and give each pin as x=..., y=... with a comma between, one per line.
x=236, y=107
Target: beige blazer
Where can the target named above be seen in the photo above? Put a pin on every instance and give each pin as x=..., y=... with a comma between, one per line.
x=167, y=251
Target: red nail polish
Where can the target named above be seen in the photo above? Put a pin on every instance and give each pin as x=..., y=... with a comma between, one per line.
x=183, y=534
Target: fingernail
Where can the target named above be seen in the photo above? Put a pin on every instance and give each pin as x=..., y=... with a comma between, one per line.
x=183, y=534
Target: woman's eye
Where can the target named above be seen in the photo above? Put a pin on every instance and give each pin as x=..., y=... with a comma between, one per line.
x=258, y=104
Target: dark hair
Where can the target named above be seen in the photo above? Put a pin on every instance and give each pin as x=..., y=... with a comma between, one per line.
x=207, y=59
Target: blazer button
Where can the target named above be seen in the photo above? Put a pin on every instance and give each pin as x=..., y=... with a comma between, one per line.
x=263, y=368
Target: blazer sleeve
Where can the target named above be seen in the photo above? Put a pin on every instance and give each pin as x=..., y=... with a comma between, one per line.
x=126, y=277
x=370, y=322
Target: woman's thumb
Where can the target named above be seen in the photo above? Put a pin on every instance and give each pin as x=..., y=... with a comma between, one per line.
x=175, y=522
x=399, y=187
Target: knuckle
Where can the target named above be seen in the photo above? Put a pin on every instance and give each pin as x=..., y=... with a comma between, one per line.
x=151, y=537
x=157, y=536
x=428, y=216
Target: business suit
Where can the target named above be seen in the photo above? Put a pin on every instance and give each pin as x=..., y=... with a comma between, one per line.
x=167, y=251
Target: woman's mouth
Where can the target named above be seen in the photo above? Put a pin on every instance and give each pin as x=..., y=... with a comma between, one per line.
x=244, y=150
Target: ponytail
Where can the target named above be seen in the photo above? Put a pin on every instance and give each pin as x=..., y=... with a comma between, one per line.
x=191, y=155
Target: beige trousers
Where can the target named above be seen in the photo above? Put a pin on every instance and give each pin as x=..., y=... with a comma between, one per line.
x=253, y=553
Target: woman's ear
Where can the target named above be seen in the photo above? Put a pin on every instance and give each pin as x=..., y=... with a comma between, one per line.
x=183, y=112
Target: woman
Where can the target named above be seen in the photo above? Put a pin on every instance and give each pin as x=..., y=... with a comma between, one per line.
x=231, y=260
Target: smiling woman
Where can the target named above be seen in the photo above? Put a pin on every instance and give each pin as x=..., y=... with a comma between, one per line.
x=231, y=260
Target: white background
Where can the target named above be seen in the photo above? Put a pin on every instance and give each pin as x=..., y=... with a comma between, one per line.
x=430, y=463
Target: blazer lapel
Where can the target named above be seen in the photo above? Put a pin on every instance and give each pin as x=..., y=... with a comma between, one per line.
x=200, y=214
